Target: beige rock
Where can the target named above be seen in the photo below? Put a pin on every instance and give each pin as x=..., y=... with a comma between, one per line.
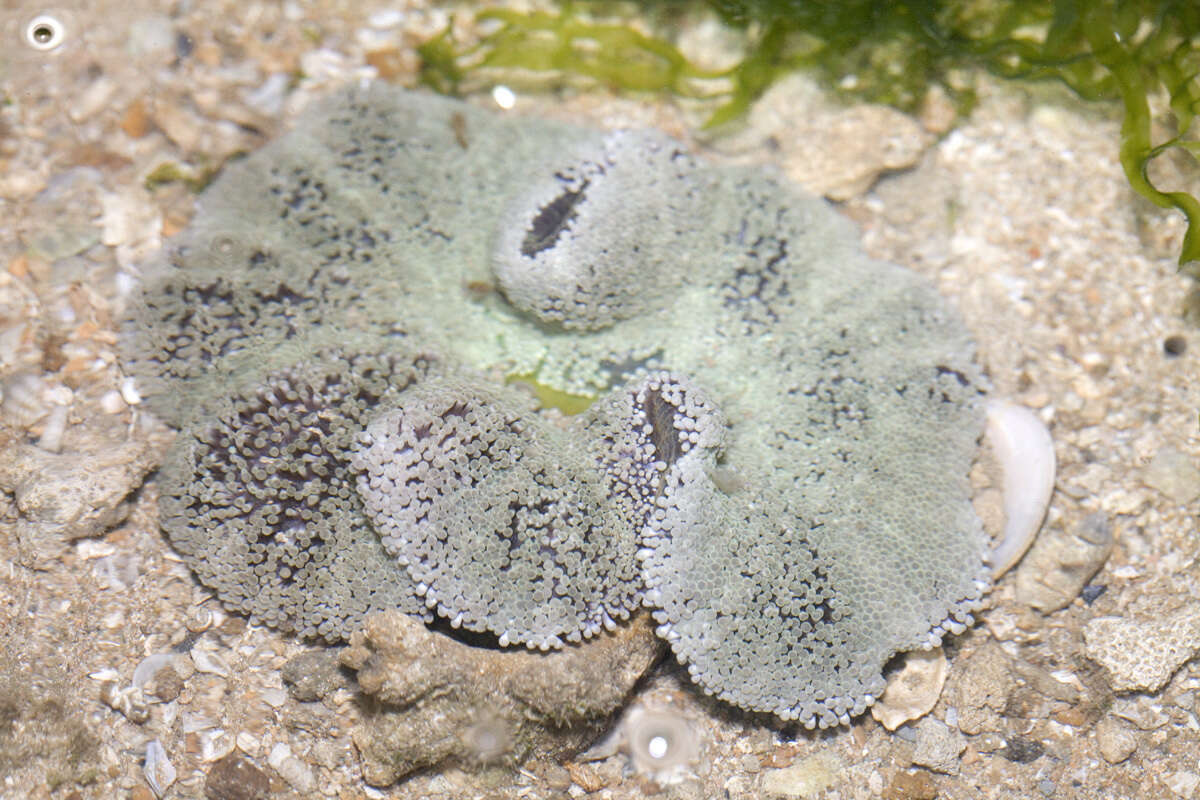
x=1172, y=473
x=852, y=148
x=67, y=496
x=1183, y=783
x=1116, y=742
x=831, y=150
x=439, y=702
x=914, y=690
x=1060, y=563
x=981, y=691
x=804, y=779
x=1143, y=712
x=938, y=746
x=1141, y=654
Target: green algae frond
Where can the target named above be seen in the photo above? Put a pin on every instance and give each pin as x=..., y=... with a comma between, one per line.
x=889, y=52
x=550, y=397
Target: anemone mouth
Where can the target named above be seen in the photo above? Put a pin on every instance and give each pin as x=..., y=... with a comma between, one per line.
x=552, y=221
x=589, y=243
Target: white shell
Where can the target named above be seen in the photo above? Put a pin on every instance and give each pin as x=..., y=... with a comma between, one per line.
x=1025, y=451
x=149, y=666
x=160, y=773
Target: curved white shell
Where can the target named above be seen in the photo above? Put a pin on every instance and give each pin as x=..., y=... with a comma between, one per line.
x=1025, y=451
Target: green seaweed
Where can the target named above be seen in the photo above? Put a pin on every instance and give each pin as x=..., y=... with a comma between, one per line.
x=549, y=397
x=889, y=52
x=562, y=44
x=168, y=172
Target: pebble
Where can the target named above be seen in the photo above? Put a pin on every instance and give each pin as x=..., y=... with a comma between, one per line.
x=23, y=404
x=268, y=98
x=989, y=743
x=1172, y=473
x=313, y=676
x=235, y=778
x=194, y=722
x=1060, y=685
x=430, y=688
x=209, y=662
x=130, y=701
x=1145, y=713
x=129, y=392
x=112, y=402
x=1022, y=750
x=1074, y=716
x=94, y=548
x=1060, y=564
x=981, y=692
x=119, y=571
x=298, y=774
x=248, y=743
x=917, y=785
x=93, y=99
x=385, y=18
x=914, y=690
x=131, y=223
x=68, y=496
x=136, y=120
x=1116, y=742
x=739, y=787
x=1125, y=501
x=808, y=778
x=585, y=777
x=167, y=685
x=151, y=36
x=215, y=744
x=1183, y=783
x=1142, y=654
x=555, y=776
x=938, y=746
x=68, y=206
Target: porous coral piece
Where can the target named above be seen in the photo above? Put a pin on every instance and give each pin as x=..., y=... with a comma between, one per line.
x=1141, y=651
x=500, y=518
x=573, y=250
x=259, y=499
x=63, y=497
